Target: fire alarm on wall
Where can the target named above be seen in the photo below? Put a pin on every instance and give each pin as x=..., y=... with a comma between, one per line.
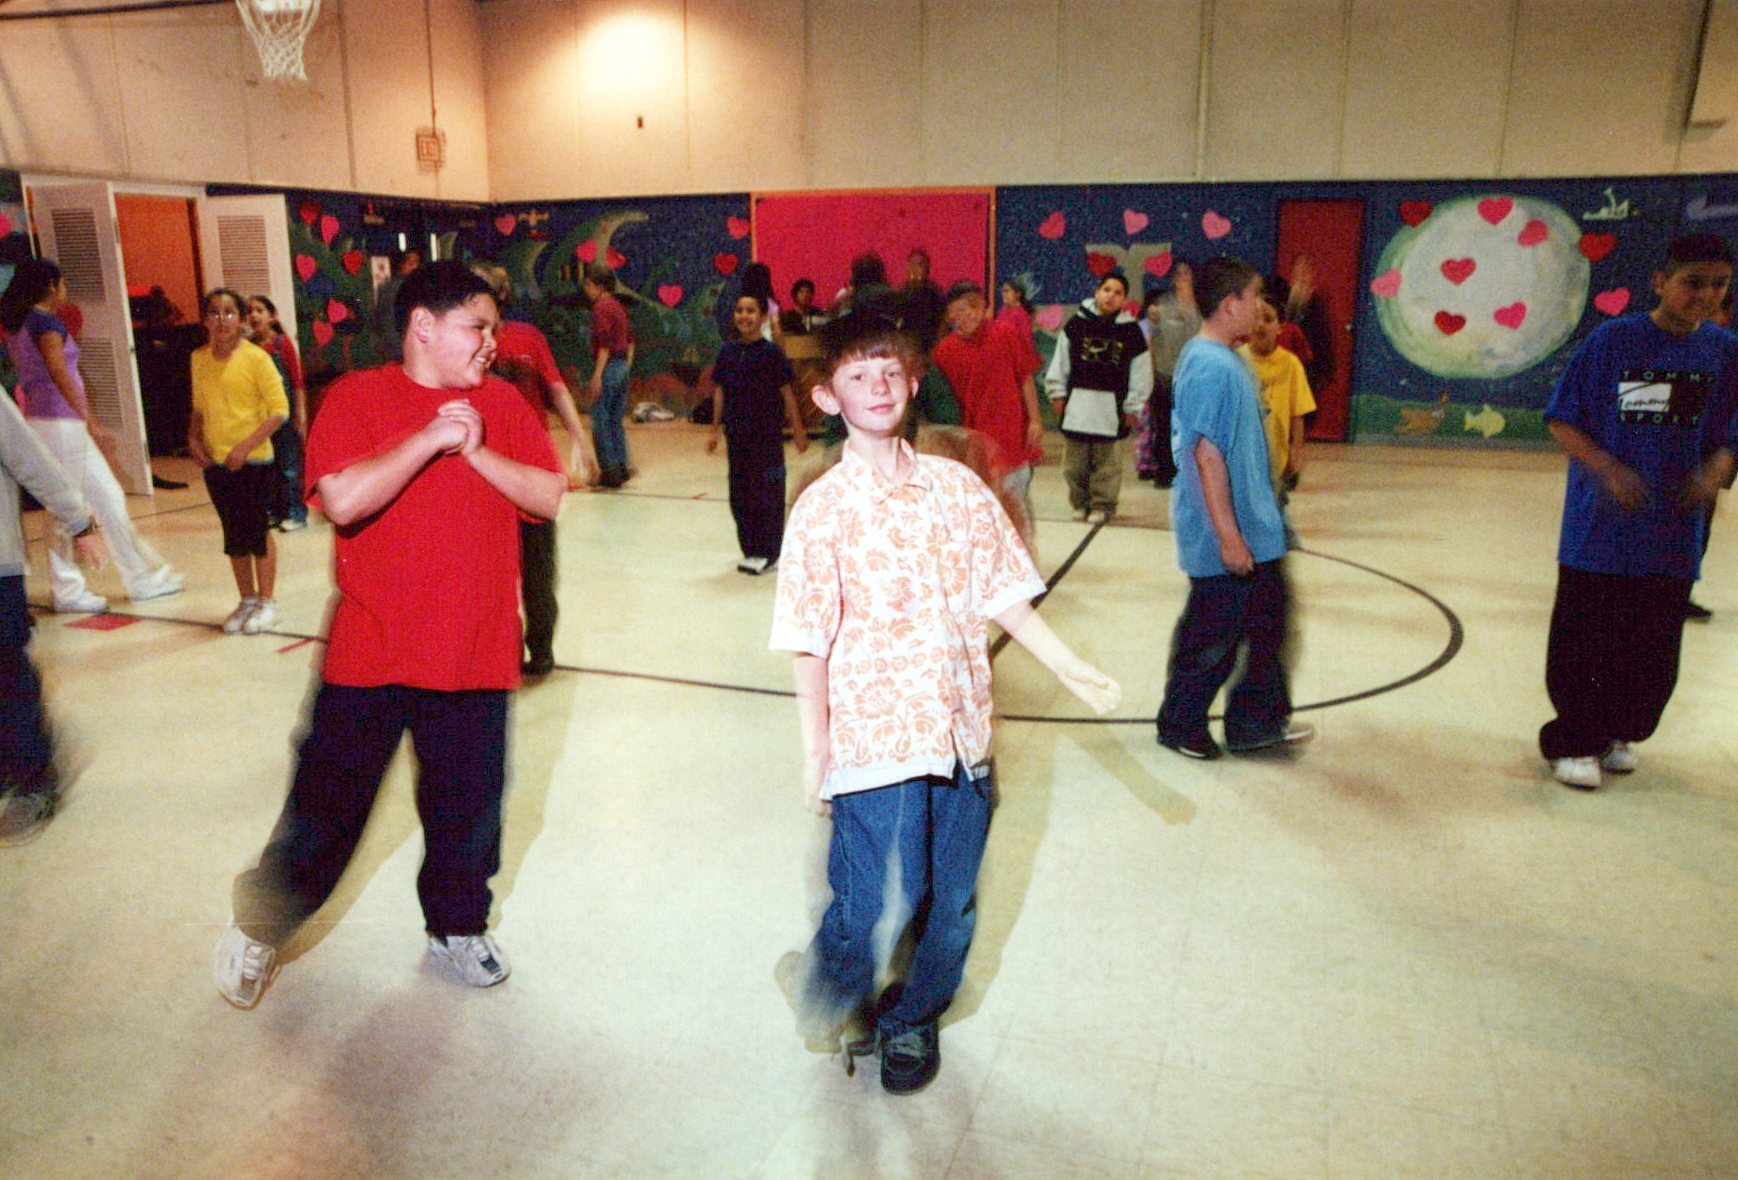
x=431, y=147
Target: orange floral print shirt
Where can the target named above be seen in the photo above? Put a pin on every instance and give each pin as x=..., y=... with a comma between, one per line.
x=894, y=584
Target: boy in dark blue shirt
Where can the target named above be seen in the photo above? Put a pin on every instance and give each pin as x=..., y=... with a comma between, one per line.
x=752, y=400
x=1647, y=413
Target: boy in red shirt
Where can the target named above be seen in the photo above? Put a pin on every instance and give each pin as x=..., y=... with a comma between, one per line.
x=612, y=344
x=991, y=368
x=425, y=468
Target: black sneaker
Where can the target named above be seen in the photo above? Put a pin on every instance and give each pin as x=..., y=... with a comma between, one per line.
x=1203, y=747
x=24, y=816
x=537, y=667
x=910, y=1061
x=1295, y=733
x=1696, y=611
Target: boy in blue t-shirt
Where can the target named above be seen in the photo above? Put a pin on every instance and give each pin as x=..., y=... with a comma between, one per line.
x=752, y=400
x=1647, y=411
x=1230, y=536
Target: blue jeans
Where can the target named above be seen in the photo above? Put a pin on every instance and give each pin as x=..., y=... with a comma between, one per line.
x=287, y=503
x=936, y=828
x=606, y=417
x=26, y=750
x=1223, y=614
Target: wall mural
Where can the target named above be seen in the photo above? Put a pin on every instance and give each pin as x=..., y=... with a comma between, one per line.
x=14, y=248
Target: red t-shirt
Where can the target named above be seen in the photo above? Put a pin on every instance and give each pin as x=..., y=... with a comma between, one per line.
x=609, y=326
x=521, y=344
x=986, y=370
x=428, y=588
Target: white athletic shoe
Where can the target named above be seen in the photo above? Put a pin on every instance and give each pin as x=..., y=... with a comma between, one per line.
x=1080, y=514
x=242, y=967
x=239, y=616
x=162, y=584
x=263, y=618
x=1620, y=759
x=474, y=958
x=753, y=565
x=82, y=604
x=1581, y=773
x=1097, y=516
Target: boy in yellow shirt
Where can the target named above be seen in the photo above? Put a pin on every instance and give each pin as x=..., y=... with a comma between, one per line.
x=1285, y=396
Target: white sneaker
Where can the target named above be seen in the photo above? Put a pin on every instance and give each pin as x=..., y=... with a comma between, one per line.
x=1080, y=514
x=291, y=525
x=83, y=604
x=1620, y=759
x=475, y=958
x=263, y=617
x=239, y=616
x=160, y=585
x=1097, y=516
x=1580, y=773
x=242, y=967
x=753, y=565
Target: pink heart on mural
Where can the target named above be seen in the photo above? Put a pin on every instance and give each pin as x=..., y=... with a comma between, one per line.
x=1413, y=213
x=306, y=267
x=1386, y=284
x=587, y=251
x=1053, y=226
x=1458, y=270
x=352, y=261
x=1510, y=316
x=669, y=294
x=5, y=225
x=1532, y=233
x=506, y=223
x=1448, y=323
x=1099, y=264
x=328, y=228
x=322, y=333
x=336, y=311
x=1049, y=317
x=1214, y=226
x=1158, y=265
x=1494, y=209
x=309, y=212
x=725, y=263
x=1597, y=246
x=1134, y=222
x=1612, y=302
x=737, y=227
x=615, y=258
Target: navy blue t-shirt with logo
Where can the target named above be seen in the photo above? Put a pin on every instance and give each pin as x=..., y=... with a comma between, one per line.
x=1659, y=404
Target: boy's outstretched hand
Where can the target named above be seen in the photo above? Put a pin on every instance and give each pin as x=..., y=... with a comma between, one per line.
x=1099, y=691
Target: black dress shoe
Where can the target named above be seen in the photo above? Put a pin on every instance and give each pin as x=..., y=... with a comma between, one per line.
x=910, y=1061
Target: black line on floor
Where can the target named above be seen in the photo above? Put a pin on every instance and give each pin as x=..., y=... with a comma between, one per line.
x=1050, y=584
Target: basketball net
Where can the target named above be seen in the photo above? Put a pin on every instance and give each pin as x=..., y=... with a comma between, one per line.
x=279, y=28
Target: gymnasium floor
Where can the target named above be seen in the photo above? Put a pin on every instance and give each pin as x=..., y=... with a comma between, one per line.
x=1404, y=952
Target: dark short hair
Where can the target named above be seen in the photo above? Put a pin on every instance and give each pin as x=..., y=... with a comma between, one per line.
x=863, y=336
x=868, y=268
x=439, y=287
x=963, y=288
x=30, y=282
x=918, y=252
x=759, y=300
x=1218, y=280
x=1108, y=275
x=1693, y=248
x=801, y=284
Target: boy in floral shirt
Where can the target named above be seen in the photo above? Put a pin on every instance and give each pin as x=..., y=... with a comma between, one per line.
x=894, y=564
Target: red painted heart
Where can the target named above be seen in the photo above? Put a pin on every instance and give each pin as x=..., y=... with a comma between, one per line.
x=587, y=251
x=669, y=294
x=1214, y=226
x=328, y=228
x=306, y=267
x=737, y=227
x=725, y=263
x=1511, y=316
x=336, y=311
x=1133, y=222
x=1053, y=226
x=1413, y=213
x=615, y=258
x=322, y=333
x=1612, y=302
x=309, y=212
x=1534, y=232
x=506, y=223
x=1386, y=284
x=1049, y=317
x=1448, y=323
x=1494, y=209
x=1099, y=264
x=1458, y=270
x=1597, y=246
x=1159, y=265
x=5, y=226
x=352, y=261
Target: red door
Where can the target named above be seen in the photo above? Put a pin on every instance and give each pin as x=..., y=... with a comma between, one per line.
x=1331, y=235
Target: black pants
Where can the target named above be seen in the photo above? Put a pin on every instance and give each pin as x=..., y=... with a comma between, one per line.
x=26, y=751
x=757, y=500
x=1159, y=458
x=1612, y=659
x=461, y=744
x=537, y=587
x=1223, y=615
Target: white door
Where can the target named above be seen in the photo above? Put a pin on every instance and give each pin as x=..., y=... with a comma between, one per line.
x=244, y=244
x=75, y=226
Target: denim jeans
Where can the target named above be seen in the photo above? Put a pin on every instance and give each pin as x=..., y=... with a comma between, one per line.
x=606, y=416
x=924, y=838
x=26, y=751
x=537, y=579
x=1224, y=614
x=287, y=503
x=353, y=733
